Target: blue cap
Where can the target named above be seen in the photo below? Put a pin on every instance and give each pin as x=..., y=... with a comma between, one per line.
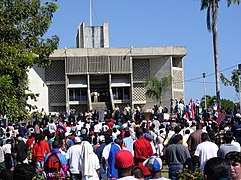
x=153, y=163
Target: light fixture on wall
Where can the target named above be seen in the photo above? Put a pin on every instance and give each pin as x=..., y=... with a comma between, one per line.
x=129, y=52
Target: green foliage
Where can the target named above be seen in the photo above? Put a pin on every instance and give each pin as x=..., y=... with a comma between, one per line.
x=155, y=87
x=23, y=24
x=225, y=103
x=234, y=81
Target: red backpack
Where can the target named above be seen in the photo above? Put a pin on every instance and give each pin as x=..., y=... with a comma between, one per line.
x=52, y=164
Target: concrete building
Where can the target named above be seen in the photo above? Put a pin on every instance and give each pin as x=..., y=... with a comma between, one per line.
x=94, y=76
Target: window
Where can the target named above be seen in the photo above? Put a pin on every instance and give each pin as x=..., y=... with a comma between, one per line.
x=121, y=93
x=77, y=94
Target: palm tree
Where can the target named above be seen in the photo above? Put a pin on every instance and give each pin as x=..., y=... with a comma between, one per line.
x=155, y=87
x=212, y=19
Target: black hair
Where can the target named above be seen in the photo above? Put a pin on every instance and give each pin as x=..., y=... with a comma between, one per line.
x=233, y=156
x=216, y=168
x=177, y=129
x=137, y=172
x=6, y=174
x=177, y=138
x=23, y=171
x=127, y=134
x=228, y=137
x=139, y=132
x=56, y=144
x=204, y=137
x=114, y=130
x=187, y=131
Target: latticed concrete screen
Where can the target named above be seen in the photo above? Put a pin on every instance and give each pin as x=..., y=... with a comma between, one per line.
x=178, y=79
x=56, y=72
x=139, y=92
x=141, y=69
x=57, y=93
x=178, y=94
x=79, y=108
x=60, y=109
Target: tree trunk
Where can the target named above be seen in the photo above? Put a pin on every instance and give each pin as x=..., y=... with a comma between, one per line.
x=215, y=46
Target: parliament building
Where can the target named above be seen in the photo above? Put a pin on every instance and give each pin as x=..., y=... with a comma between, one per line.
x=94, y=76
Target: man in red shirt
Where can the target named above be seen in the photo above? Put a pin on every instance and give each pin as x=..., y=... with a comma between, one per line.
x=142, y=151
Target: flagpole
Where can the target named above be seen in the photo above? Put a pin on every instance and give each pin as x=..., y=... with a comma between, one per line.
x=90, y=12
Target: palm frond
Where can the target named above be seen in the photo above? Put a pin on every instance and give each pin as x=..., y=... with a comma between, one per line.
x=229, y=2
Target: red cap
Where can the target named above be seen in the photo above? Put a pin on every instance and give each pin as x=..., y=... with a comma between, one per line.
x=123, y=159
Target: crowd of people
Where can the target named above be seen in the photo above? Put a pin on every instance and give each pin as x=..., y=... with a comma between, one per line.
x=123, y=144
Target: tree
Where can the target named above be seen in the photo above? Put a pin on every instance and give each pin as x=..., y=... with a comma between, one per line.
x=211, y=99
x=234, y=81
x=155, y=87
x=212, y=18
x=23, y=23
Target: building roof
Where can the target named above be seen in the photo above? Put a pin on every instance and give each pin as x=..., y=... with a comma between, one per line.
x=139, y=51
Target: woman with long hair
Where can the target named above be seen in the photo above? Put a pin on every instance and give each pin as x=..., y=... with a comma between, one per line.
x=40, y=149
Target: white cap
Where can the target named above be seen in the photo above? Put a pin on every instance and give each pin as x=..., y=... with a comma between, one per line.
x=237, y=115
x=77, y=139
x=67, y=134
x=102, y=138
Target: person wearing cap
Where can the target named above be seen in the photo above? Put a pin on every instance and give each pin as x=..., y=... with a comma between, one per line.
x=99, y=152
x=154, y=164
x=142, y=151
x=124, y=163
x=73, y=156
x=68, y=140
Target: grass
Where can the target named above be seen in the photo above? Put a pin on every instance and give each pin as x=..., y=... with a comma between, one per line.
x=165, y=170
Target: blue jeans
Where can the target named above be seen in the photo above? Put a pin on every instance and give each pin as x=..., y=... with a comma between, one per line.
x=102, y=172
x=173, y=169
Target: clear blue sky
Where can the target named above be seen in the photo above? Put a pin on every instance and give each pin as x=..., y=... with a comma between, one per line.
x=142, y=23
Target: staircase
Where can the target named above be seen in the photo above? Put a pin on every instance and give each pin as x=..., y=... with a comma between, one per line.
x=100, y=106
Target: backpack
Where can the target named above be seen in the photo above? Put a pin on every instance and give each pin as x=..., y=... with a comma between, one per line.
x=53, y=163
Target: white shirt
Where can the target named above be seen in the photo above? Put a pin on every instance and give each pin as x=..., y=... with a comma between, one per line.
x=96, y=165
x=7, y=148
x=106, y=151
x=128, y=178
x=205, y=151
x=73, y=155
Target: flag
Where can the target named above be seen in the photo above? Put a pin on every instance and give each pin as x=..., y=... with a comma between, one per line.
x=61, y=125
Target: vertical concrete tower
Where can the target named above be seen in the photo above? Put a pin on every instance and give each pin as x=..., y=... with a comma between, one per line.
x=92, y=36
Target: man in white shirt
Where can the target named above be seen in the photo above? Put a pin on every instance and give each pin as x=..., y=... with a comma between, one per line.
x=205, y=150
x=73, y=155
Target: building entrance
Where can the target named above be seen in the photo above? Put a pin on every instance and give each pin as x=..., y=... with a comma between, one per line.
x=99, y=88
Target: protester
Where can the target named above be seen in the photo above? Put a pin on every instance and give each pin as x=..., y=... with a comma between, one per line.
x=154, y=164
x=142, y=151
x=73, y=156
x=137, y=173
x=124, y=163
x=227, y=146
x=234, y=160
x=216, y=169
x=205, y=150
x=60, y=161
x=40, y=149
x=176, y=155
x=91, y=141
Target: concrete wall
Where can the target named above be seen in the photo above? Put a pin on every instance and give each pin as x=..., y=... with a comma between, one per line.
x=37, y=85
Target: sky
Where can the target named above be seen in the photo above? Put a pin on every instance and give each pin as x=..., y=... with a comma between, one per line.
x=142, y=23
